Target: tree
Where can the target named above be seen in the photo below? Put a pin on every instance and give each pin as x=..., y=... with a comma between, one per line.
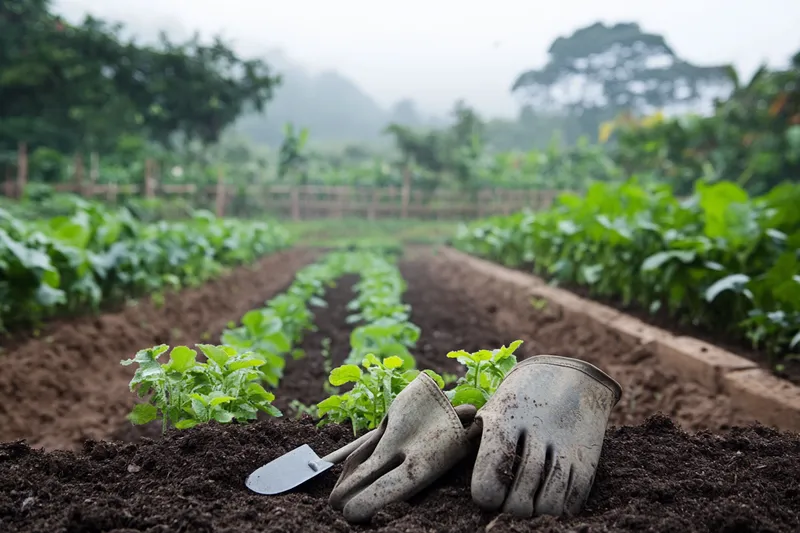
x=80, y=87
x=600, y=71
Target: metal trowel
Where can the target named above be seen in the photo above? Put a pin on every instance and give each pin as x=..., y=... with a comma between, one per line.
x=296, y=467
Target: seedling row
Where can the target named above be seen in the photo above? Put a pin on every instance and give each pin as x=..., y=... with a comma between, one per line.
x=236, y=380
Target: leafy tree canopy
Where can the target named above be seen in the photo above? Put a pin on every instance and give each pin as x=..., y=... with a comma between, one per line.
x=72, y=87
x=600, y=71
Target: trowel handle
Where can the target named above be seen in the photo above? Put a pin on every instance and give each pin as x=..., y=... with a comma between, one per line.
x=342, y=453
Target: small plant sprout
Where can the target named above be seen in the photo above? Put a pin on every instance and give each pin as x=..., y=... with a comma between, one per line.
x=373, y=391
x=485, y=370
x=185, y=392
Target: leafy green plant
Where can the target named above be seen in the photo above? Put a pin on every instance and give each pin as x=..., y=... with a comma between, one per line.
x=80, y=260
x=719, y=260
x=373, y=392
x=385, y=337
x=485, y=371
x=186, y=392
x=376, y=387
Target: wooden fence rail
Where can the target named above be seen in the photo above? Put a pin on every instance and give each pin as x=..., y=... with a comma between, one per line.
x=295, y=202
x=319, y=201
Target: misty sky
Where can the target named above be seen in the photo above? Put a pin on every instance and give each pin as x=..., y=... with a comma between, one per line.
x=436, y=51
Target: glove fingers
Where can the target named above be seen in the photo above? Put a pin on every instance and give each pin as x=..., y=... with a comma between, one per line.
x=553, y=492
x=493, y=474
x=527, y=480
x=395, y=485
x=579, y=489
x=355, y=468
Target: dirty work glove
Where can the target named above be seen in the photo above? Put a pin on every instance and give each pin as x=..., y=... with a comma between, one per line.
x=552, y=412
x=420, y=438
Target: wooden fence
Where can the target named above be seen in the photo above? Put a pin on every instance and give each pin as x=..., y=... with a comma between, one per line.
x=296, y=202
x=317, y=201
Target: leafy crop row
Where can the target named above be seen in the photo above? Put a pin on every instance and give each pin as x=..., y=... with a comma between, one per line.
x=230, y=385
x=719, y=259
x=381, y=345
x=70, y=263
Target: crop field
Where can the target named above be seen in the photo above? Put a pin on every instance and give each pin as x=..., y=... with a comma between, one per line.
x=151, y=367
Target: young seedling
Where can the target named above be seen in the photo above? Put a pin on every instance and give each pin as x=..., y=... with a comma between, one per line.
x=185, y=392
x=485, y=370
x=372, y=393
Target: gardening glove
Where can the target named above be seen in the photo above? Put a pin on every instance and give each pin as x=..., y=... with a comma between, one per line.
x=420, y=438
x=542, y=435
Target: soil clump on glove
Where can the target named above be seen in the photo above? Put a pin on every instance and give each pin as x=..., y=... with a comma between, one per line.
x=651, y=477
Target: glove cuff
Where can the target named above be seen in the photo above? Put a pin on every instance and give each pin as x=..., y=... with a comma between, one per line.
x=576, y=364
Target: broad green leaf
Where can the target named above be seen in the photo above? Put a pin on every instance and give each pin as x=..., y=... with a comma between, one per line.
x=143, y=413
x=182, y=358
x=219, y=400
x=186, y=423
x=222, y=416
x=390, y=362
x=257, y=390
x=345, y=374
x=734, y=282
x=657, y=260
x=215, y=353
x=467, y=394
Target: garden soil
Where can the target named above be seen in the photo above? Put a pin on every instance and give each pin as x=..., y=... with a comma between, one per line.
x=648, y=386
x=651, y=478
x=455, y=308
x=67, y=384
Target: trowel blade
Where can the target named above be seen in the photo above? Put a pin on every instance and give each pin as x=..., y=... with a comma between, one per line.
x=287, y=471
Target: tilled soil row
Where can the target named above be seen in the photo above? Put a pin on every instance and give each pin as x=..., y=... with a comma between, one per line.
x=447, y=288
x=68, y=385
x=457, y=310
x=651, y=477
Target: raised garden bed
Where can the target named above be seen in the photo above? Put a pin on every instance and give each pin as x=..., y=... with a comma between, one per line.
x=652, y=476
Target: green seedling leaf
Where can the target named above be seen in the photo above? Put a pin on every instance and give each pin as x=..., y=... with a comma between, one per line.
x=344, y=374
x=215, y=353
x=392, y=362
x=467, y=394
x=182, y=358
x=143, y=413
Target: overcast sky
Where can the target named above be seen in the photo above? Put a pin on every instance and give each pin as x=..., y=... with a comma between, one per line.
x=436, y=51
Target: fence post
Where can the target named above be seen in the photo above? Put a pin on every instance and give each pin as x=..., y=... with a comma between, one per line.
x=405, y=192
x=22, y=168
x=373, y=204
x=149, y=181
x=220, y=197
x=94, y=169
x=295, y=194
x=78, y=176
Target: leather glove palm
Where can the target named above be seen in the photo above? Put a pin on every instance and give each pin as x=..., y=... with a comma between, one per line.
x=553, y=412
x=419, y=439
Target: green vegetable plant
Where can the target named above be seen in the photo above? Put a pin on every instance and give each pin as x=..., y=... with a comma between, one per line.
x=185, y=392
x=379, y=383
x=719, y=260
x=78, y=261
x=485, y=371
x=374, y=389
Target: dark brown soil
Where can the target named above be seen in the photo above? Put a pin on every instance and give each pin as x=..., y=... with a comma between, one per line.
x=61, y=388
x=648, y=387
x=651, y=477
